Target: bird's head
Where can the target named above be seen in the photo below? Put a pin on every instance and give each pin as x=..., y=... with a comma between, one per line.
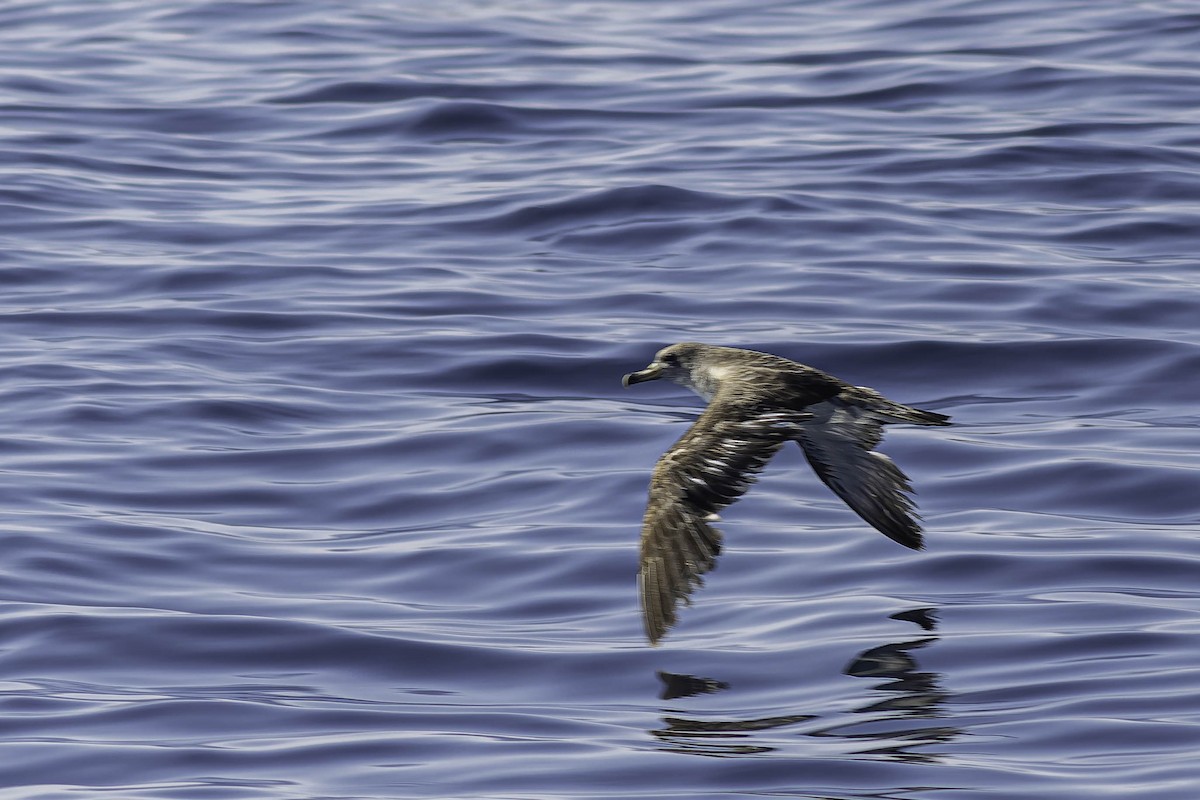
x=679, y=363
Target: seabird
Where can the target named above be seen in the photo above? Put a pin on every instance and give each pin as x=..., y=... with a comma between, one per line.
x=758, y=402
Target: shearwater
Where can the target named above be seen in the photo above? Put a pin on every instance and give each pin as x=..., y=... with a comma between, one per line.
x=757, y=402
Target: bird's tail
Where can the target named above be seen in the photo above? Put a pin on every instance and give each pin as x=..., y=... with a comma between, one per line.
x=889, y=411
x=915, y=416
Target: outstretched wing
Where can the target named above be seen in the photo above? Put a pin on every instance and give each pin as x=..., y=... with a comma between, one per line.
x=711, y=466
x=839, y=444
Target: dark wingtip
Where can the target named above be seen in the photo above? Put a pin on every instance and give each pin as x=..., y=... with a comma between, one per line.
x=915, y=543
x=910, y=537
x=655, y=631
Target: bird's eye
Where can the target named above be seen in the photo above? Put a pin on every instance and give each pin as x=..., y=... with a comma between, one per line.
x=670, y=360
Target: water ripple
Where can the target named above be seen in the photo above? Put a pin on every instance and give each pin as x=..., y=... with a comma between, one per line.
x=319, y=479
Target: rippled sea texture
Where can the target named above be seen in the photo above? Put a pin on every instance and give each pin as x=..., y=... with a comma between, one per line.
x=319, y=480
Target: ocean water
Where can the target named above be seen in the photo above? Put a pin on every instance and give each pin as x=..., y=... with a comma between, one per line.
x=319, y=480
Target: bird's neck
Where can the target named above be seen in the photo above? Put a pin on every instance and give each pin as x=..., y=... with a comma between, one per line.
x=705, y=382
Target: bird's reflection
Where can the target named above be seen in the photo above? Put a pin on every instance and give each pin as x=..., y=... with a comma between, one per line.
x=675, y=686
x=910, y=693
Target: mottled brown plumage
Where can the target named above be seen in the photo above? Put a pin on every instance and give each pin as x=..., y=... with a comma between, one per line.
x=757, y=403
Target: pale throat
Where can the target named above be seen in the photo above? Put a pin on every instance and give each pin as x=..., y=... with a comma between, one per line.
x=706, y=381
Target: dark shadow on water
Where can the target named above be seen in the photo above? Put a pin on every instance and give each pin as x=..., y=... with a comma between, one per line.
x=892, y=726
x=676, y=686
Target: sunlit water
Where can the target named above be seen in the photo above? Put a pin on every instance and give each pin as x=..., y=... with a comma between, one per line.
x=319, y=480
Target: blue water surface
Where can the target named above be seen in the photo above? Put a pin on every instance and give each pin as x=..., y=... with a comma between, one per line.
x=319, y=480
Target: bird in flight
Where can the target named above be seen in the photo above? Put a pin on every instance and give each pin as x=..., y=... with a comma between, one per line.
x=757, y=402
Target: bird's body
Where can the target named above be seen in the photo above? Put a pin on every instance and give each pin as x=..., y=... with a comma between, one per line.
x=757, y=403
